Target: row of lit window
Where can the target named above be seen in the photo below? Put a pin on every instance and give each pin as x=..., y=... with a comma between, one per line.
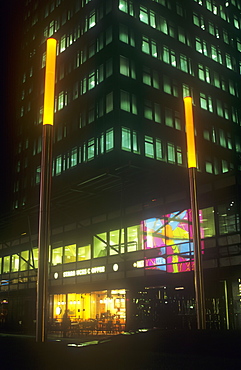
x=216, y=166
x=220, y=137
x=129, y=239
x=151, y=77
x=90, y=20
x=169, y=56
x=67, y=40
x=153, y=148
x=217, y=9
x=126, y=6
x=94, y=78
x=158, y=22
x=151, y=110
x=213, y=29
x=87, y=152
x=214, y=78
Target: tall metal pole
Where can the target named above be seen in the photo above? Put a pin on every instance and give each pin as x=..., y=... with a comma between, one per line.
x=192, y=169
x=45, y=191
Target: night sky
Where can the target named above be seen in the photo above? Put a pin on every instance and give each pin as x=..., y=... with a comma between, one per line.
x=11, y=30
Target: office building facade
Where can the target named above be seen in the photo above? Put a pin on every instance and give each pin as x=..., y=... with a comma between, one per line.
x=121, y=231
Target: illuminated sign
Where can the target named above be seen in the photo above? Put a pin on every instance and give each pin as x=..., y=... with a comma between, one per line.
x=86, y=271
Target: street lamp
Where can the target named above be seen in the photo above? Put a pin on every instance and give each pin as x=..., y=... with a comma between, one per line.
x=192, y=169
x=45, y=190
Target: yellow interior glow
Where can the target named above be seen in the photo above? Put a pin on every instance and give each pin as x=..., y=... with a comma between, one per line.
x=191, y=152
x=48, y=114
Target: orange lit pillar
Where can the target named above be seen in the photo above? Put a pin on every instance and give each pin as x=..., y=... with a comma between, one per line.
x=192, y=168
x=45, y=190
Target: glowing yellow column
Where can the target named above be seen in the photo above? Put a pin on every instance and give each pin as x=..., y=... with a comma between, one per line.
x=48, y=115
x=191, y=150
x=192, y=169
x=45, y=191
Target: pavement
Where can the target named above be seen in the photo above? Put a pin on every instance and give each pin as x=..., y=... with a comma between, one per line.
x=139, y=350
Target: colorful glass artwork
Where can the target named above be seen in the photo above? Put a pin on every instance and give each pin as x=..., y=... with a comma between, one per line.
x=172, y=235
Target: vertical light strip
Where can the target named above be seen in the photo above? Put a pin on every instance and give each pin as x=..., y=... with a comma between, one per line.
x=48, y=115
x=191, y=151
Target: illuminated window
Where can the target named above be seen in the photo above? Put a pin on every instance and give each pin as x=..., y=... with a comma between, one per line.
x=204, y=73
x=236, y=22
x=147, y=76
x=163, y=25
x=109, y=140
x=171, y=153
x=150, y=77
x=181, y=35
x=57, y=256
x=126, y=139
x=62, y=43
x=84, y=253
x=6, y=264
x=24, y=260
x=206, y=135
x=222, y=139
x=238, y=44
x=117, y=239
x=100, y=245
x=133, y=238
x=92, y=19
x=201, y=46
x=61, y=100
x=224, y=166
x=14, y=263
x=143, y=15
x=127, y=67
x=149, y=147
x=126, y=36
x=170, y=87
x=58, y=165
x=128, y=102
x=219, y=108
x=91, y=149
x=208, y=166
x=34, y=258
x=185, y=90
x=169, y=56
x=69, y=253
x=216, y=80
x=149, y=46
x=43, y=62
x=228, y=61
x=126, y=6
x=91, y=80
x=183, y=63
x=152, y=111
x=179, y=155
x=206, y=102
x=73, y=157
x=159, y=150
x=129, y=140
x=123, y=5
